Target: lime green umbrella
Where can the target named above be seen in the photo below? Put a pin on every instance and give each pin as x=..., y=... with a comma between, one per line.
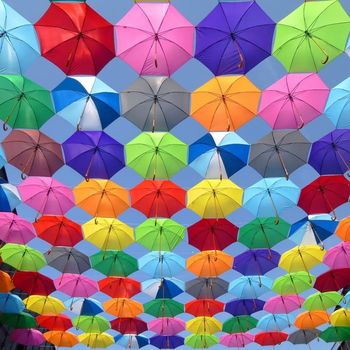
x=20, y=320
x=238, y=324
x=322, y=301
x=23, y=103
x=293, y=283
x=201, y=341
x=263, y=233
x=156, y=155
x=163, y=308
x=91, y=324
x=160, y=234
x=335, y=334
x=312, y=35
x=22, y=257
x=114, y=263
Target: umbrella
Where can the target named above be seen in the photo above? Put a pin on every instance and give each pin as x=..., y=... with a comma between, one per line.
x=93, y=154
x=76, y=285
x=270, y=338
x=123, y=307
x=335, y=334
x=129, y=341
x=343, y=230
x=158, y=198
x=340, y=317
x=274, y=322
x=338, y=256
x=23, y=103
x=6, y=284
x=84, y=306
x=311, y=319
x=322, y=301
x=166, y=326
x=218, y=155
x=155, y=103
x=20, y=320
x=9, y=197
x=225, y=103
x=156, y=155
x=207, y=288
x=33, y=153
x=239, y=324
x=119, y=287
x=128, y=325
x=167, y=342
x=201, y=341
x=44, y=304
x=204, y=307
x=159, y=234
x=293, y=101
x=293, y=283
x=86, y=102
x=11, y=303
x=163, y=308
x=234, y=38
x=75, y=38
x=33, y=283
x=283, y=304
x=236, y=340
x=46, y=195
x=333, y=280
x=238, y=307
x=279, y=153
x=101, y=198
x=28, y=337
x=162, y=39
x=203, y=325
x=54, y=322
x=346, y=300
x=304, y=40
x=304, y=336
x=250, y=287
x=91, y=324
x=214, y=198
x=163, y=288
x=61, y=338
x=96, y=340
x=15, y=229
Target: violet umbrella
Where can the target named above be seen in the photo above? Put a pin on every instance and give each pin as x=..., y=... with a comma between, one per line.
x=237, y=340
x=338, y=256
x=28, y=337
x=15, y=229
x=167, y=342
x=93, y=154
x=166, y=326
x=238, y=307
x=76, y=285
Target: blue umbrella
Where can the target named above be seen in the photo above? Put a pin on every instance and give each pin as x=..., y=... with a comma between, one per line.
x=86, y=102
x=131, y=341
x=163, y=288
x=84, y=306
x=9, y=197
x=239, y=307
x=167, y=342
x=218, y=154
x=274, y=322
x=347, y=301
x=11, y=303
x=250, y=287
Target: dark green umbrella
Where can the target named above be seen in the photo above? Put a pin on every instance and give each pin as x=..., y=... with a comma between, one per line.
x=163, y=308
x=335, y=334
x=239, y=324
x=21, y=320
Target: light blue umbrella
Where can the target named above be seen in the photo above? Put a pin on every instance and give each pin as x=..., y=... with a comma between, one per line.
x=131, y=341
x=162, y=264
x=19, y=45
x=86, y=102
x=274, y=322
x=271, y=196
x=346, y=301
x=10, y=303
x=84, y=306
x=250, y=287
x=218, y=154
x=2, y=158
x=9, y=197
x=163, y=288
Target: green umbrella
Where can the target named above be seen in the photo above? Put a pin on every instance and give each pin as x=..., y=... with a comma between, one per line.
x=23, y=103
x=22, y=257
x=114, y=263
x=160, y=234
x=293, y=283
x=335, y=334
x=163, y=308
x=91, y=324
x=263, y=233
x=322, y=301
x=238, y=324
x=21, y=320
x=312, y=35
x=156, y=155
x=201, y=341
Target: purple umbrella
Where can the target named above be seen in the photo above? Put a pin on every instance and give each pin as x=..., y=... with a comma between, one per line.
x=234, y=38
x=256, y=261
x=238, y=307
x=28, y=337
x=94, y=154
x=331, y=154
x=167, y=342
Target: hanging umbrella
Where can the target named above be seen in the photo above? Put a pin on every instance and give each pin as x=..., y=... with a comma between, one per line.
x=23, y=103
x=28, y=337
x=207, y=288
x=130, y=341
x=158, y=198
x=234, y=38
x=123, y=307
x=343, y=230
x=274, y=322
x=155, y=103
x=250, y=287
x=166, y=326
x=203, y=325
x=33, y=283
x=101, y=198
x=61, y=338
x=46, y=195
x=76, y=285
x=201, y=341
x=338, y=256
x=163, y=308
x=119, y=287
x=11, y=303
x=9, y=197
x=20, y=320
x=322, y=301
x=96, y=340
x=304, y=40
x=84, y=306
x=204, y=307
x=335, y=334
x=15, y=229
x=239, y=324
x=163, y=288
x=214, y=198
x=91, y=324
x=218, y=155
x=293, y=283
x=270, y=338
x=156, y=155
x=128, y=325
x=54, y=322
x=340, y=317
x=162, y=39
x=236, y=340
x=304, y=336
x=279, y=153
x=346, y=300
x=333, y=280
x=6, y=282
x=283, y=304
x=238, y=307
x=311, y=319
x=293, y=101
x=44, y=304
x=86, y=102
x=93, y=154
x=225, y=103
x=75, y=38
x=167, y=342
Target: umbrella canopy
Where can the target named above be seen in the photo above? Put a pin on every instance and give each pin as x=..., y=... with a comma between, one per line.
x=293, y=283
x=54, y=322
x=201, y=341
x=163, y=288
x=203, y=325
x=76, y=285
x=343, y=230
x=250, y=287
x=239, y=324
x=91, y=324
x=6, y=284
x=270, y=338
x=166, y=342
x=163, y=308
x=84, y=306
x=33, y=283
x=274, y=322
x=207, y=288
x=284, y=304
x=28, y=337
x=304, y=336
x=204, y=307
x=311, y=319
x=15, y=229
x=20, y=320
x=340, y=317
x=338, y=256
x=119, y=287
x=225, y=103
x=61, y=338
x=128, y=325
x=236, y=340
x=322, y=301
x=9, y=197
x=335, y=334
x=96, y=340
x=166, y=326
x=131, y=341
x=333, y=280
x=44, y=304
x=11, y=303
x=238, y=307
x=123, y=307
x=162, y=42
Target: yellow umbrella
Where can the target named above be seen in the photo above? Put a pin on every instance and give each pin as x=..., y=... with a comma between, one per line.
x=341, y=318
x=214, y=198
x=123, y=307
x=44, y=304
x=204, y=325
x=108, y=233
x=96, y=340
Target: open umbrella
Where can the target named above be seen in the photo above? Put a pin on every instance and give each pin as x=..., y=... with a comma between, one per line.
x=160, y=288
x=293, y=283
x=204, y=307
x=84, y=306
x=28, y=337
x=203, y=325
x=333, y=280
x=33, y=283
x=304, y=336
x=128, y=325
x=91, y=324
x=123, y=307
x=335, y=334
x=239, y=307
x=201, y=341
x=338, y=256
x=6, y=284
x=322, y=301
x=119, y=287
x=54, y=322
x=11, y=303
x=163, y=308
x=237, y=340
x=343, y=229
x=131, y=341
x=20, y=320
x=274, y=322
x=340, y=317
x=270, y=338
x=96, y=340
x=238, y=324
x=166, y=326
x=283, y=304
x=76, y=285
x=42, y=304
x=207, y=288
x=250, y=287
x=311, y=319
x=61, y=338
x=167, y=342
x=15, y=229
x=9, y=197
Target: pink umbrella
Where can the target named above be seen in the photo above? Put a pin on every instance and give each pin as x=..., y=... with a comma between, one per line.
x=15, y=229
x=166, y=326
x=154, y=39
x=46, y=195
x=76, y=285
x=293, y=101
x=28, y=337
x=237, y=340
x=283, y=304
x=338, y=257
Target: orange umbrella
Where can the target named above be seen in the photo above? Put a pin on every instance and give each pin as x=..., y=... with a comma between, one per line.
x=311, y=319
x=6, y=284
x=102, y=198
x=225, y=102
x=61, y=338
x=209, y=263
x=123, y=307
x=343, y=230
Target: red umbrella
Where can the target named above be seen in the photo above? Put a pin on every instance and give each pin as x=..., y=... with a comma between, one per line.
x=54, y=322
x=270, y=338
x=129, y=325
x=158, y=198
x=33, y=283
x=75, y=38
x=204, y=307
x=333, y=280
x=324, y=194
x=58, y=230
x=209, y=234
x=119, y=287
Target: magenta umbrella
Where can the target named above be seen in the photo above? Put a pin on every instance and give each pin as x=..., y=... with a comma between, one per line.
x=76, y=285
x=15, y=229
x=154, y=39
x=28, y=337
x=283, y=304
x=237, y=340
x=46, y=195
x=166, y=326
x=293, y=101
x=338, y=257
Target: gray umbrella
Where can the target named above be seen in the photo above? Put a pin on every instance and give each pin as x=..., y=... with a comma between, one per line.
x=207, y=288
x=304, y=336
x=67, y=260
x=279, y=153
x=155, y=103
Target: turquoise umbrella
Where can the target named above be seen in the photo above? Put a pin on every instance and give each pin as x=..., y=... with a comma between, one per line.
x=250, y=287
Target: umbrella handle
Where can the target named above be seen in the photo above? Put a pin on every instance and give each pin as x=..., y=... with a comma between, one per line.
x=326, y=59
x=23, y=176
x=5, y=127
